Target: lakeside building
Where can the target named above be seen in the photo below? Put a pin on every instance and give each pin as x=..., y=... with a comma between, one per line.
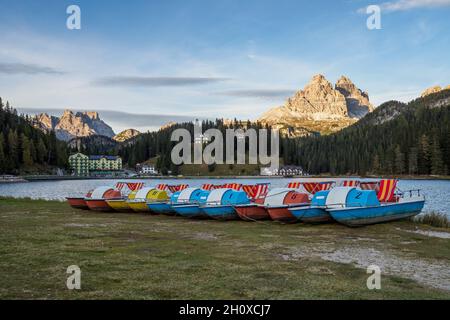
x=96, y=165
x=283, y=171
x=146, y=169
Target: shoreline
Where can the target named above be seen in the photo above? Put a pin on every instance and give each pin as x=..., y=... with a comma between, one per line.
x=32, y=178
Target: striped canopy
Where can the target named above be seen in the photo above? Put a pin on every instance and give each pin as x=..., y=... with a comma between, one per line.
x=313, y=187
x=386, y=193
x=179, y=187
x=208, y=186
x=234, y=186
x=256, y=191
x=350, y=183
x=294, y=185
x=162, y=186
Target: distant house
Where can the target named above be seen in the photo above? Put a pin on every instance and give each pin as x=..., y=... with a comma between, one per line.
x=283, y=171
x=96, y=165
x=146, y=169
x=291, y=171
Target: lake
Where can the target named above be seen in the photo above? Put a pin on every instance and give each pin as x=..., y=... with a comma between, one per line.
x=437, y=192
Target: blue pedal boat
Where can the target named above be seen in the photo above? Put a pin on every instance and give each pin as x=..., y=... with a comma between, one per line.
x=314, y=213
x=162, y=206
x=220, y=203
x=355, y=208
x=187, y=202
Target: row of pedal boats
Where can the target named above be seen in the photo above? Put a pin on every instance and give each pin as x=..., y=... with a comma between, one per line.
x=352, y=205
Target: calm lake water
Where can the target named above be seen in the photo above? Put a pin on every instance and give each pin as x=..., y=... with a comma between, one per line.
x=437, y=192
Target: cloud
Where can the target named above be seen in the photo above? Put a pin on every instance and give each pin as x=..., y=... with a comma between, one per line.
x=257, y=93
x=404, y=5
x=23, y=68
x=156, y=81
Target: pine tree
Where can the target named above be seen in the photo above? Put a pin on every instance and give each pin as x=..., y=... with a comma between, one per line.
x=2, y=153
x=399, y=160
x=437, y=164
x=26, y=151
x=376, y=163
x=412, y=161
x=424, y=155
x=41, y=151
x=13, y=148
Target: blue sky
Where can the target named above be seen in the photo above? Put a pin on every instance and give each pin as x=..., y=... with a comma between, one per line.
x=221, y=58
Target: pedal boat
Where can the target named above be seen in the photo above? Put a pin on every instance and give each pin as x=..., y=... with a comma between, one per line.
x=121, y=205
x=220, y=204
x=279, y=200
x=137, y=201
x=97, y=200
x=158, y=202
x=187, y=203
x=79, y=202
x=314, y=213
x=253, y=211
x=356, y=208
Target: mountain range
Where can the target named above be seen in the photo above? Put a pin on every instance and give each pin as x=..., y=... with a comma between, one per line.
x=320, y=107
x=71, y=125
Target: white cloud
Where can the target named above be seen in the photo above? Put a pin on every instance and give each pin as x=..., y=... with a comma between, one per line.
x=404, y=5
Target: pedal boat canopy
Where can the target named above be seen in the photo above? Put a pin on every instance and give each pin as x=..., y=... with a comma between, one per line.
x=189, y=196
x=138, y=200
x=347, y=197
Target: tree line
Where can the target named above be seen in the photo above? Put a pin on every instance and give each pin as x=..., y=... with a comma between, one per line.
x=158, y=144
x=24, y=148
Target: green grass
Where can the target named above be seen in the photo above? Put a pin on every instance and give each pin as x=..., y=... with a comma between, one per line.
x=132, y=256
x=434, y=219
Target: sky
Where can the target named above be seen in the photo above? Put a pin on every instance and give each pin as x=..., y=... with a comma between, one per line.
x=142, y=63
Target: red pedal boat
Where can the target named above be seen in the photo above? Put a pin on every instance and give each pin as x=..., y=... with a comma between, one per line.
x=98, y=197
x=253, y=211
x=278, y=201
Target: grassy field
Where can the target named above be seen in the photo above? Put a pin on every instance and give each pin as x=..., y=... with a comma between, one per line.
x=132, y=256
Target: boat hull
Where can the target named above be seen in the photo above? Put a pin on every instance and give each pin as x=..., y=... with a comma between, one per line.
x=98, y=205
x=189, y=211
x=281, y=214
x=311, y=214
x=138, y=206
x=78, y=203
x=160, y=208
x=357, y=217
x=252, y=212
x=119, y=205
x=220, y=212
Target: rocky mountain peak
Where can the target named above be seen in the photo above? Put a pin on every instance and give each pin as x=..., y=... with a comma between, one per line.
x=126, y=135
x=358, y=104
x=71, y=125
x=92, y=115
x=433, y=90
x=67, y=113
x=319, y=101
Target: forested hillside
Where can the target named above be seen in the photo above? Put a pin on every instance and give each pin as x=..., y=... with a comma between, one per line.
x=152, y=144
x=24, y=148
x=396, y=138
